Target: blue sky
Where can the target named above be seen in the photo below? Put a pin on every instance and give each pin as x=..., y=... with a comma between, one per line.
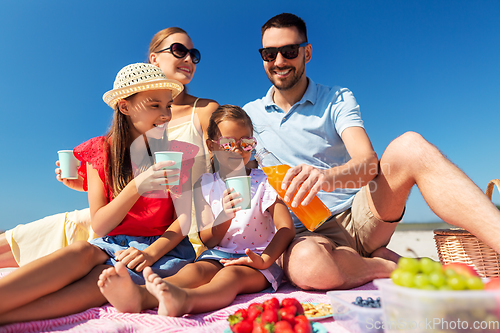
x=427, y=66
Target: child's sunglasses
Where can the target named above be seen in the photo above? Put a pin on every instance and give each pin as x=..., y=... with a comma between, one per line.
x=229, y=143
x=288, y=51
x=180, y=51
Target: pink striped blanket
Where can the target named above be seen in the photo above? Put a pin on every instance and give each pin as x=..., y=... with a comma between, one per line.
x=107, y=319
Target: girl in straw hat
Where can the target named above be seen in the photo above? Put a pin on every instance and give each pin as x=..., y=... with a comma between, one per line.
x=129, y=203
x=172, y=50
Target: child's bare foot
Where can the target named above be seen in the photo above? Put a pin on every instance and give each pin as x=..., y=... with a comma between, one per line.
x=172, y=300
x=119, y=289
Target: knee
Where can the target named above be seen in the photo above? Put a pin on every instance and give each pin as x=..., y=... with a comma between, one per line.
x=408, y=149
x=310, y=267
x=84, y=250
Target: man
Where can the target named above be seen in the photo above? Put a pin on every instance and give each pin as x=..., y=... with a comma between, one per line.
x=319, y=131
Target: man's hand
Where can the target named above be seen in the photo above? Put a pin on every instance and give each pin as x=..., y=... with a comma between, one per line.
x=304, y=178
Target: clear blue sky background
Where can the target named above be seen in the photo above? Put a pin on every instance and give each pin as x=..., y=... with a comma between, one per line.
x=427, y=66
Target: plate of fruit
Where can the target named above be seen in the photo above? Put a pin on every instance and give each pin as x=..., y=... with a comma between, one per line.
x=273, y=316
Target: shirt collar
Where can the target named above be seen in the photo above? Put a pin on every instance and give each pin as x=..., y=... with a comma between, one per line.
x=310, y=95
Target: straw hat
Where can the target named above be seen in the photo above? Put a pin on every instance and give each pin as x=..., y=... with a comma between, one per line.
x=139, y=77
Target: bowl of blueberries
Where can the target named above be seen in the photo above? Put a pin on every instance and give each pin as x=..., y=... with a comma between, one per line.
x=357, y=310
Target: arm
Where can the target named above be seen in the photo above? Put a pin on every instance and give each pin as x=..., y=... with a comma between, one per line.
x=213, y=235
x=204, y=112
x=357, y=172
x=285, y=232
x=105, y=215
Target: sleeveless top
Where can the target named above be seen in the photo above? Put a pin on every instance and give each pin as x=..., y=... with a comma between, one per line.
x=250, y=228
x=152, y=213
x=188, y=129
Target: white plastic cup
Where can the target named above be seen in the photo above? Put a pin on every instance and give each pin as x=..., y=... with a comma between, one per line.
x=241, y=184
x=68, y=164
x=175, y=156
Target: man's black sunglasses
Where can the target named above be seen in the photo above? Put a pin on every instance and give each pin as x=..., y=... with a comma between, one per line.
x=288, y=51
x=180, y=51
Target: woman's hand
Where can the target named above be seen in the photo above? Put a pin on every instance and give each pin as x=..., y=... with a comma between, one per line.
x=252, y=260
x=75, y=184
x=155, y=178
x=134, y=259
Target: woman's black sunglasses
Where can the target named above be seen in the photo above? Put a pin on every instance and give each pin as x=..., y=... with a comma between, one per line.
x=180, y=51
x=288, y=51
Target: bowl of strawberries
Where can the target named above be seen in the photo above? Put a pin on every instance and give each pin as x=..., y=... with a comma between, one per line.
x=273, y=316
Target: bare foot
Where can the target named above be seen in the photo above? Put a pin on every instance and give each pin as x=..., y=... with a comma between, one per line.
x=385, y=253
x=119, y=289
x=172, y=300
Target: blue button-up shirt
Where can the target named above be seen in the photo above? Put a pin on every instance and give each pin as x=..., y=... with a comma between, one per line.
x=310, y=132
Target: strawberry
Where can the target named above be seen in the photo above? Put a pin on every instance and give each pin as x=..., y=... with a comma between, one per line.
x=288, y=314
x=272, y=303
x=269, y=316
x=292, y=301
x=303, y=327
x=261, y=328
x=283, y=327
x=301, y=318
x=254, y=310
x=243, y=326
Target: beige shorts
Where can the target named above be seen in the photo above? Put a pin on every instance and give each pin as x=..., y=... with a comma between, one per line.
x=355, y=227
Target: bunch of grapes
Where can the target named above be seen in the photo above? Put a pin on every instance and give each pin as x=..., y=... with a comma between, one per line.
x=431, y=275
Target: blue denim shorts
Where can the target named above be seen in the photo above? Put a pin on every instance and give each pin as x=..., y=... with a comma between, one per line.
x=167, y=265
x=273, y=274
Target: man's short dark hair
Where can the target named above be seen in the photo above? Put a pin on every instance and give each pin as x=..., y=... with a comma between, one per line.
x=286, y=20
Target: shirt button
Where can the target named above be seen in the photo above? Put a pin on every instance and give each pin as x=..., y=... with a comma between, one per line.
x=122, y=243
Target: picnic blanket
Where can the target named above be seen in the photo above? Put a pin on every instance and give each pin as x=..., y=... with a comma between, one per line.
x=107, y=319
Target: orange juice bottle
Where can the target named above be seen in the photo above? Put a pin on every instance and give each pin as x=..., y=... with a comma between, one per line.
x=312, y=215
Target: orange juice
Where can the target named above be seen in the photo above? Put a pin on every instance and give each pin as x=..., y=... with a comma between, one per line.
x=312, y=215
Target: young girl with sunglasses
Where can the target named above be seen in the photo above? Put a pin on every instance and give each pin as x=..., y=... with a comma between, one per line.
x=130, y=205
x=243, y=243
x=172, y=50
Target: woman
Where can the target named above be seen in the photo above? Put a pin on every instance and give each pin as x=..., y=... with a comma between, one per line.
x=172, y=50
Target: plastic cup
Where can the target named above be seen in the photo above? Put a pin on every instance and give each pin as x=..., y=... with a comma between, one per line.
x=68, y=164
x=175, y=156
x=241, y=184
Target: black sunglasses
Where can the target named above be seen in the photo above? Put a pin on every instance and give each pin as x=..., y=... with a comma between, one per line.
x=180, y=51
x=288, y=51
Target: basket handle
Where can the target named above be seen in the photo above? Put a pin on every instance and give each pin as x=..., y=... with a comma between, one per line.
x=491, y=184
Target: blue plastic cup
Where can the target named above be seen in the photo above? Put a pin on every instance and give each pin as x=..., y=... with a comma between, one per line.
x=175, y=156
x=68, y=164
x=241, y=184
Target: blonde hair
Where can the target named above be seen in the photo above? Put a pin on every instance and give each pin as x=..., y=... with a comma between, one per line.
x=161, y=35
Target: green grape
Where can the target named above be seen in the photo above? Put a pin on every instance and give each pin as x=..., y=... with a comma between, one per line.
x=429, y=287
x=474, y=283
x=450, y=272
x=407, y=279
x=409, y=265
x=396, y=276
x=427, y=265
x=445, y=287
x=421, y=280
x=437, y=279
x=457, y=282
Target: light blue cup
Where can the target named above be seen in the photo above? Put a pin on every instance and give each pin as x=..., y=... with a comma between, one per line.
x=68, y=164
x=241, y=184
x=175, y=156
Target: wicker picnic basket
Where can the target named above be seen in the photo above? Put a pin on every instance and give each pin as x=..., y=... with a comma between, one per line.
x=459, y=245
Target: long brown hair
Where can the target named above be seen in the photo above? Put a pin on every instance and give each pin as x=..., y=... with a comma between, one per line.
x=119, y=171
